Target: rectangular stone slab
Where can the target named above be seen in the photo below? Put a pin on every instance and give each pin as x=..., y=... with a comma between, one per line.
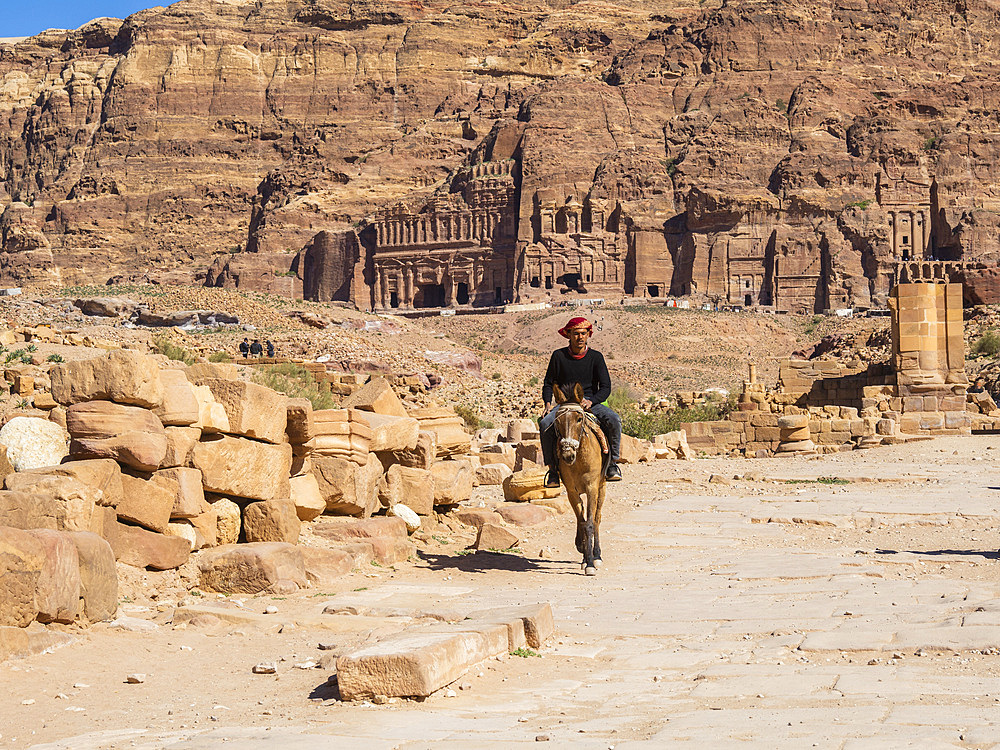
x=410, y=664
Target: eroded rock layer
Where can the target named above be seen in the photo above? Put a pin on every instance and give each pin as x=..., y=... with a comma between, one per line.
x=804, y=156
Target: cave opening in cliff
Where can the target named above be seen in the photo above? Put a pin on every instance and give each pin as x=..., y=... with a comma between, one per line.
x=462, y=293
x=429, y=295
x=653, y=290
x=571, y=280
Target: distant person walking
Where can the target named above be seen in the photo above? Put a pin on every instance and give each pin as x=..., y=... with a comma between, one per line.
x=245, y=347
x=256, y=349
x=270, y=348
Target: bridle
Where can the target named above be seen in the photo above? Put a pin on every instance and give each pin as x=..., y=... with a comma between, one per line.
x=570, y=444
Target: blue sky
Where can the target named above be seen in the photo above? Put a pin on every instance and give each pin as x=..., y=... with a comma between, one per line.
x=24, y=18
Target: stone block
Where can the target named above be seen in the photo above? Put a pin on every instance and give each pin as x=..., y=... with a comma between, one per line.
x=252, y=410
x=788, y=436
x=450, y=436
x=523, y=486
x=212, y=416
x=413, y=663
x=122, y=376
x=673, y=444
x=501, y=453
x=326, y=566
x=634, y=450
x=348, y=489
x=251, y=568
x=492, y=474
x=136, y=546
x=300, y=427
x=101, y=474
x=408, y=485
x=522, y=514
x=242, y=467
x=392, y=433
x=494, y=537
x=350, y=530
x=130, y=435
x=148, y=501
x=528, y=450
x=476, y=517
x=202, y=370
x=206, y=527
x=22, y=558
x=536, y=619
x=306, y=497
x=179, y=406
x=57, y=593
x=48, y=501
x=229, y=518
x=98, y=576
x=767, y=434
x=378, y=397
x=189, y=494
x=453, y=482
x=341, y=432
x=792, y=421
x=180, y=444
x=271, y=521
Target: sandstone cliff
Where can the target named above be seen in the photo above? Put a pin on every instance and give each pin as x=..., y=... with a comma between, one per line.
x=800, y=155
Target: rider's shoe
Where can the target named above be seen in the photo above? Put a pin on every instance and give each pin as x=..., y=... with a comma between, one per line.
x=613, y=474
x=552, y=478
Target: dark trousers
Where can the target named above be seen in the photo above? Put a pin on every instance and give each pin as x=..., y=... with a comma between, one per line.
x=610, y=424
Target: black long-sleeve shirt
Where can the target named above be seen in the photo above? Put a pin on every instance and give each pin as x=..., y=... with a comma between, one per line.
x=590, y=371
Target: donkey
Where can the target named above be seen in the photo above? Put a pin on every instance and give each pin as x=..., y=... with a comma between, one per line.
x=581, y=466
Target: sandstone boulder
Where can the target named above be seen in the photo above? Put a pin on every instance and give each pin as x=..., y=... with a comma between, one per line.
x=494, y=537
x=34, y=498
x=271, y=521
x=411, y=519
x=250, y=568
x=229, y=519
x=501, y=453
x=523, y=514
x=242, y=467
x=206, y=527
x=672, y=445
x=392, y=433
x=522, y=486
x=101, y=474
x=634, y=450
x=203, y=370
x=130, y=435
x=21, y=560
x=212, y=416
x=6, y=467
x=376, y=396
x=306, y=497
x=179, y=407
x=98, y=576
x=326, y=566
x=252, y=410
x=136, y=546
x=33, y=443
x=57, y=594
x=122, y=376
x=189, y=500
x=180, y=443
x=476, y=517
x=411, y=486
x=450, y=436
x=148, y=501
x=492, y=474
x=347, y=488
x=453, y=482
x=300, y=426
x=420, y=456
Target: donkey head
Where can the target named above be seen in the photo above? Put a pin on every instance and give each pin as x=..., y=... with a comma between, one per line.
x=569, y=423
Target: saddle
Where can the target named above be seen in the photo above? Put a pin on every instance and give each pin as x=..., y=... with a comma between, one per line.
x=595, y=427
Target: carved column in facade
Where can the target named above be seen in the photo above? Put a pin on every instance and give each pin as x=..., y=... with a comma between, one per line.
x=408, y=286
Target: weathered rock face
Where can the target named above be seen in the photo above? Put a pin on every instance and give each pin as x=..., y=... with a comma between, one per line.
x=798, y=156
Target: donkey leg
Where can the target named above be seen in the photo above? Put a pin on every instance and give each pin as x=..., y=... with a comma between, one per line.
x=577, y=504
x=588, y=549
x=597, y=526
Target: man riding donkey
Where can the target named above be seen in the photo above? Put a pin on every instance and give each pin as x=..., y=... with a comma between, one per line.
x=578, y=363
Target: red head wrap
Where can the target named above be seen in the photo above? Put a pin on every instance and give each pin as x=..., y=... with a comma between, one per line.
x=576, y=323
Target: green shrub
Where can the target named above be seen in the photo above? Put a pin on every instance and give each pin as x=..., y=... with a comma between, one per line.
x=220, y=357
x=56, y=358
x=988, y=344
x=621, y=399
x=170, y=350
x=294, y=381
x=469, y=416
x=645, y=425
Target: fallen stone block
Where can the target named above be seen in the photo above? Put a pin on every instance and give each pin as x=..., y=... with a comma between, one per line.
x=494, y=537
x=206, y=527
x=347, y=488
x=539, y=625
x=57, y=593
x=122, y=376
x=130, y=435
x=306, y=497
x=98, y=576
x=476, y=517
x=378, y=397
x=501, y=453
x=634, y=450
x=453, y=482
x=493, y=474
x=101, y=474
x=522, y=514
x=392, y=433
x=229, y=518
x=22, y=557
x=411, y=519
x=421, y=456
x=35, y=639
x=253, y=411
x=526, y=485
x=212, y=416
x=271, y=521
x=672, y=445
x=300, y=427
x=136, y=546
x=189, y=495
x=37, y=500
x=148, y=501
x=251, y=568
x=180, y=444
x=33, y=442
x=344, y=530
x=450, y=436
x=326, y=566
x=179, y=406
x=407, y=485
x=409, y=664
x=243, y=468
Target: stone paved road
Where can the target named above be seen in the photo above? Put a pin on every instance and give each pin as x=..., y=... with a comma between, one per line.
x=739, y=613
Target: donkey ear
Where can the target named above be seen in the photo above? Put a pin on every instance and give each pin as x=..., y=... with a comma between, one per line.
x=557, y=392
x=578, y=394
